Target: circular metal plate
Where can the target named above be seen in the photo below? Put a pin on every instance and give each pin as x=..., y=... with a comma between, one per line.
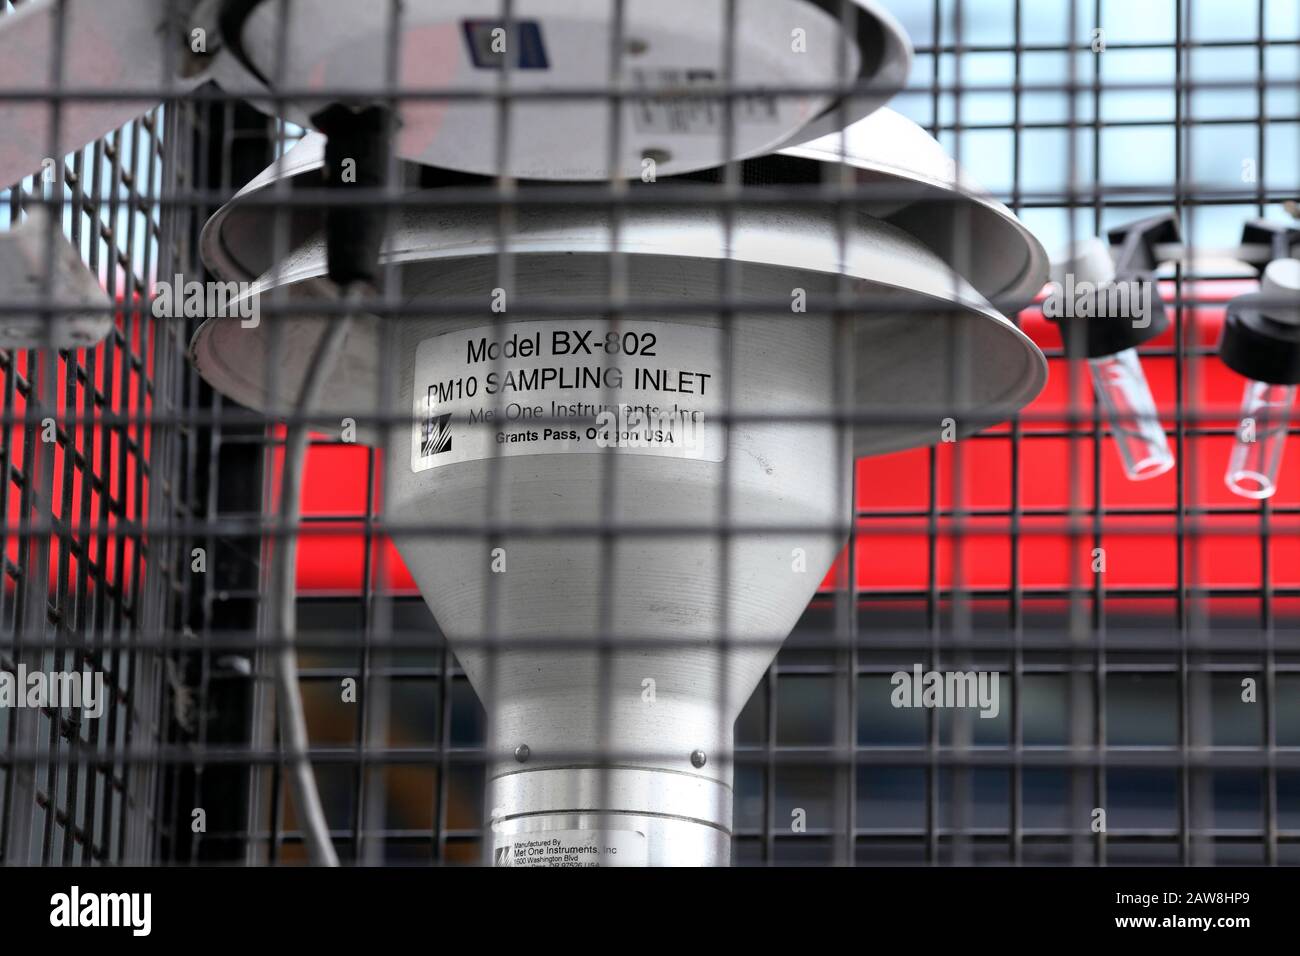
x=926, y=346
x=556, y=60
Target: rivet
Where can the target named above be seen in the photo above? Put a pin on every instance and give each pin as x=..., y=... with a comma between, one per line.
x=522, y=753
x=698, y=758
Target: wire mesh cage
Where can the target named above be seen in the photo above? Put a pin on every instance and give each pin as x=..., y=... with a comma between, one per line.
x=603, y=433
x=83, y=590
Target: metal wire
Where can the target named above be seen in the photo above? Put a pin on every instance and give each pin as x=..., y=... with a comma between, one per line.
x=288, y=691
x=1121, y=692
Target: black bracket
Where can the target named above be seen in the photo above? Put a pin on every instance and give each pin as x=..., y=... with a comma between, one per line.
x=1133, y=245
x=1282, y=239
x=358, y=140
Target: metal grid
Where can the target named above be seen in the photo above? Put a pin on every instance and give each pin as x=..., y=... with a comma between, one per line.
x=83, y=586
x=401, y=776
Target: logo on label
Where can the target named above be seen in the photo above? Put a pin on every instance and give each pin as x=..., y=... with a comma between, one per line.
x=503, y=856
x=437, y=433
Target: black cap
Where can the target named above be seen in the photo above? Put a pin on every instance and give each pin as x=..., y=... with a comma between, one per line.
x=1133, y=249
x=1260, y=347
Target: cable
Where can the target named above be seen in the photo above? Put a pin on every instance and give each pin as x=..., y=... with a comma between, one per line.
x=293, y=721
x=358, y=140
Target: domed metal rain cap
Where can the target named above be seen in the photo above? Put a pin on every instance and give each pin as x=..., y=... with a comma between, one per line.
x=938, y=203
x=972, y=233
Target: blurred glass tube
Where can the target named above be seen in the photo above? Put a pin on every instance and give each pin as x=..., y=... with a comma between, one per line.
x=1261, y=437
x=1124, y=393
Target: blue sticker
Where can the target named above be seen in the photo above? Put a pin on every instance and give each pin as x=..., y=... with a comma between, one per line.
x=527, y=41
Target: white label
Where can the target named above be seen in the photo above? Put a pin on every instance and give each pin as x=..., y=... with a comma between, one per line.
x=571, y=848
x=566, y=387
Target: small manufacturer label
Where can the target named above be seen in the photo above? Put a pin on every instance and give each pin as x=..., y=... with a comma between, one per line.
x=685, y=115
x=571, y=848
x=566, y=387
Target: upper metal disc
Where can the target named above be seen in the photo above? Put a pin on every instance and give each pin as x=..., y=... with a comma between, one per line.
x=554, y=64
x=926, y=346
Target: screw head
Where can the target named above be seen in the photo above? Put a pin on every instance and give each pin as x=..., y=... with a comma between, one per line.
x=522, y=753
x=698, y=758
